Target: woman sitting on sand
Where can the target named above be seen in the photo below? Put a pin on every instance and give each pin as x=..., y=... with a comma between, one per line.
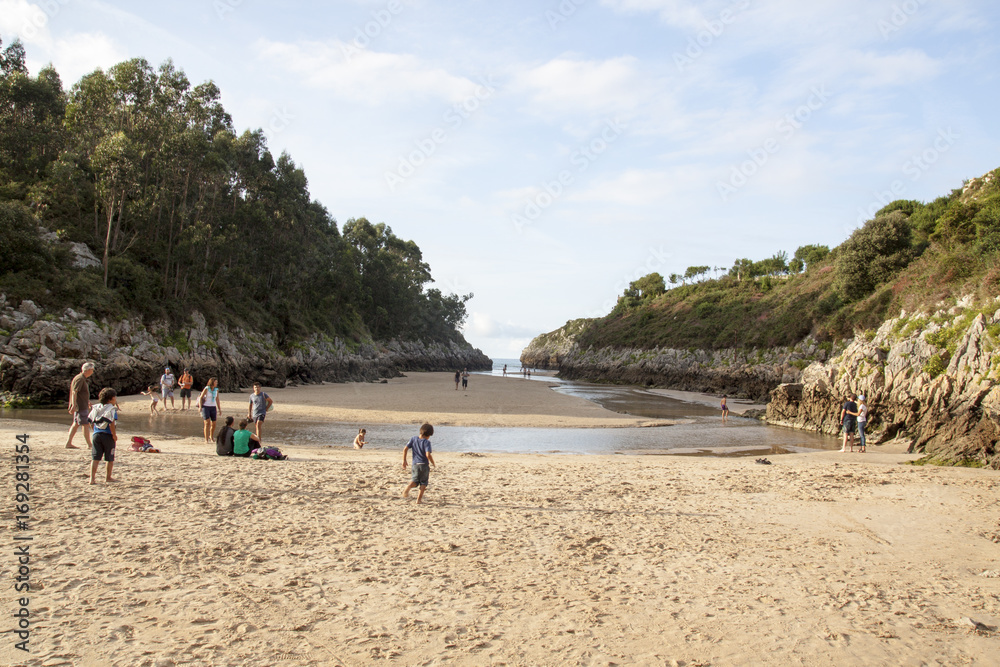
x=360, y=441
x=242, y=439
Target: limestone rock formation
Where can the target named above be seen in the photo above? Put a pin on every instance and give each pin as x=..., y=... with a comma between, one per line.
x=40, y=352
x=931, y=379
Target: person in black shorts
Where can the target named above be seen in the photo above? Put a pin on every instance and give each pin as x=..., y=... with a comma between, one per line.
x=103, y=417
x=849, y=421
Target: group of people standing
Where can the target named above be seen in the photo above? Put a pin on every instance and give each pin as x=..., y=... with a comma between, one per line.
x=854, y=417
x=102, y=418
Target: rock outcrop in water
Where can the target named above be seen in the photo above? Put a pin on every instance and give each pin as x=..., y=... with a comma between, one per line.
x=40, y=352
x=930, y=379
x=735, y=373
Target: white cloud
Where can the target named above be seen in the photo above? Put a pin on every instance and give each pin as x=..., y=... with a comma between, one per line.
x=366, y=76
x=81, y=53
x=680, y=13
x=482, y=325
x=568, y=86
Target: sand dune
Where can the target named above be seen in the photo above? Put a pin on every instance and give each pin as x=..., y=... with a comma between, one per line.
x=818, y=559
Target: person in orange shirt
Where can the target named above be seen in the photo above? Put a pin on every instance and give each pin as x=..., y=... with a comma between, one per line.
x=186, y=381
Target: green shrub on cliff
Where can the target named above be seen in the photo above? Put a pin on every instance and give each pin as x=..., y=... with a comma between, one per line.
x=874, y=254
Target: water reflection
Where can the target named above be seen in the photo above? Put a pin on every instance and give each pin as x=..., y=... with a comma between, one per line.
x=700, y=431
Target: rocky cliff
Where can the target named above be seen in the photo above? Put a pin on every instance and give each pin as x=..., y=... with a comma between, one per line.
x=40, y=352
x=739, y=373
x=931, y=379
x=548, y=350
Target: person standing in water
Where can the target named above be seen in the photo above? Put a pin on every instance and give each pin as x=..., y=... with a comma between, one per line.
x=725, y=409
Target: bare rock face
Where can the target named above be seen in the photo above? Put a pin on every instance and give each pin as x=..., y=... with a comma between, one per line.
x=931, y=379
x=40, y=353
x=739, y=373
x=547, y=351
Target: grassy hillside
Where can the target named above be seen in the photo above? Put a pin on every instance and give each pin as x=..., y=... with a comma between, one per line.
x=911, y=256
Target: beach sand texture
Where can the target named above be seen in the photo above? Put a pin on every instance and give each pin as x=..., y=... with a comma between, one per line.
x=420, y=397
x=821, y=558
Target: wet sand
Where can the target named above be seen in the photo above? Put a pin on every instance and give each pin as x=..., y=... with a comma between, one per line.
x=420, y=397
x=821, y=558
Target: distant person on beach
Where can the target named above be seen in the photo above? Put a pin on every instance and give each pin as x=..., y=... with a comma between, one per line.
x=210, y=406
x=725, y=409
x=359, y=440
x=242, y=439
x=260, y=403
x=79, y=404
x=458, y=378
x=465, y=378
x=862, y=423
x=420, y=471
x=849, y=421
x=103, y=416
x=505, y=370
x=154, y=398
x=224, y=441
x=167, y=382
x=186, y=381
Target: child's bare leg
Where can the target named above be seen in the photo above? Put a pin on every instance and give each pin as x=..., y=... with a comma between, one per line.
x=406, y=491
x=111, y=464
x=420, y=494
x=93, y=471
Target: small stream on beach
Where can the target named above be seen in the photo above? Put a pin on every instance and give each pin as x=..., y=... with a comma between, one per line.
x=699, y=429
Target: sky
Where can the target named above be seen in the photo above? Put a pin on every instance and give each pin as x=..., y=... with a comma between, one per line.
x=545, y=154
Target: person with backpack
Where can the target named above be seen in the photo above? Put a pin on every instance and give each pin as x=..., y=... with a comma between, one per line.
x=224, y=441
x=103, y=417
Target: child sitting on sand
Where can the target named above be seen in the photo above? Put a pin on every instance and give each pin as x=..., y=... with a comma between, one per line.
x=420, y=472
x=154, y=397
x=360, y=441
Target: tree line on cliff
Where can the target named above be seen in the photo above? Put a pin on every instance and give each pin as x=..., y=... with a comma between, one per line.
x=185, y=214
x=910, y=255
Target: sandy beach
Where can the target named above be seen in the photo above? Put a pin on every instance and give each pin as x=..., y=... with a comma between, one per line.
x=420, y=397
x=820, y=558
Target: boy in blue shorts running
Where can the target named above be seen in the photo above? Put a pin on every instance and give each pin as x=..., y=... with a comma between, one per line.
x=422, y=460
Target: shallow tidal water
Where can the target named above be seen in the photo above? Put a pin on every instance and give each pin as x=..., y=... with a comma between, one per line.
x=699, y=431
